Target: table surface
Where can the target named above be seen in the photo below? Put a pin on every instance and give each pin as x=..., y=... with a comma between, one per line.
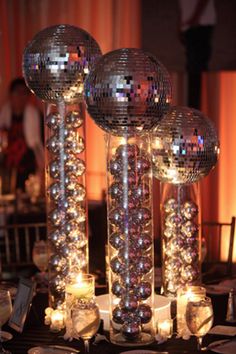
x=36, y=334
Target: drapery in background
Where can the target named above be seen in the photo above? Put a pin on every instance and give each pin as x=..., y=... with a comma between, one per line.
x=113, y=23
x=219, y=188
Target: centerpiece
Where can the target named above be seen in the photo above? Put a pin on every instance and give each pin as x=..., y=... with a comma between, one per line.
x=127, y=93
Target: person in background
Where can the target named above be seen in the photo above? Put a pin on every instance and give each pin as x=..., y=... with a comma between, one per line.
x=23, y=154
x=198, y=18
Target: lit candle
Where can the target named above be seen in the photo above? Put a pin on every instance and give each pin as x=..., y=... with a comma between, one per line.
x=165, y=328
x=80, y=288
x=57, y=320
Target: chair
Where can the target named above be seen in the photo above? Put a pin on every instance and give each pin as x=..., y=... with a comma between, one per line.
x=213, y=233
x=16, y=245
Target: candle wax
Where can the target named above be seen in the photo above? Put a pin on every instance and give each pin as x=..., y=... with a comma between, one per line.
x=80, y=290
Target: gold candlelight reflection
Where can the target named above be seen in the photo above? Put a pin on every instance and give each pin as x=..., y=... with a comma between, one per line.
x=165, y=328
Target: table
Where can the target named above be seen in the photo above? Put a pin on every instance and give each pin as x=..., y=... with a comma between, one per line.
x=35, y=334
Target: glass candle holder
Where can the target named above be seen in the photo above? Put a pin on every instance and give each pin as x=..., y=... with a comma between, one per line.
x=185, y=294
x=181, y=244
x=165, y=328
x=80, y=289
x=81, y=286
x=130, y=240
x=57, y=321
x=66, y=196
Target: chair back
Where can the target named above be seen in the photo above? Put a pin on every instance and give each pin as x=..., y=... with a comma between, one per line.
x=213, y=232
x=16, y=245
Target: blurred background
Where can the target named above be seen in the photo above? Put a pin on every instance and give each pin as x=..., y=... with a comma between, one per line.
x=154, y=25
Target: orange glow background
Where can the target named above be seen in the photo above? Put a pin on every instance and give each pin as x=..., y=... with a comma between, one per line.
x=115, y=24
x=219, y=189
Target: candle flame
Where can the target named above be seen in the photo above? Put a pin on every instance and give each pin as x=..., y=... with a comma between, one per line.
x=79, y=278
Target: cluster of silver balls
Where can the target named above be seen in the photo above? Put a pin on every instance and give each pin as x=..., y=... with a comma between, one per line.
x=66, y=199
x=180, y=245
x=130, y=241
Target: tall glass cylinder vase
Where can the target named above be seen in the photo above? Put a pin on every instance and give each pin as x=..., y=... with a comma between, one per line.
x=66, y=195
x=180, y=214
x=130, y=239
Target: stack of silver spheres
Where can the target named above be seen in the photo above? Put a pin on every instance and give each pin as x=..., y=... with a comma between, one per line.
x=55, y=64
x=127, y=93
x=185, y=149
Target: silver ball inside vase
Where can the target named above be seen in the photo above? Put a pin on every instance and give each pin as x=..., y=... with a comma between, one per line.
x=117, y=289
x=143, y=290
x=117, y=315
x=131, y=330
x=73, y=119
x=189, y=210
x=144, y=312
x=129, y=302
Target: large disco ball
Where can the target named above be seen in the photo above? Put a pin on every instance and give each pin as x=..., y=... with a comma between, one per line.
x=127, y=91
x=56, y=62
x=185, y=146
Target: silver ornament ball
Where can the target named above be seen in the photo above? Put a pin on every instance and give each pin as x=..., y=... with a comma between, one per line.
x=117, y=289
x=73, y=119
x=189, y=229
x=189, y=210
x=129, y=302
x=131, y=330
x=144, y=312
x=170, y=205
x=116, y=240
x=143, y=290
x=144, y=265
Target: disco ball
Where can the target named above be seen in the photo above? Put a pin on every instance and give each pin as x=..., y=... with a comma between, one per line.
x=185, y=146
x=56, y=62
x=127, y=91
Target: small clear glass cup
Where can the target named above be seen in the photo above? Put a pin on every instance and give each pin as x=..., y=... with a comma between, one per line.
x=40, y=259
x=85, y=320
x=5, y=313
x=81, y=308
x=199, y=319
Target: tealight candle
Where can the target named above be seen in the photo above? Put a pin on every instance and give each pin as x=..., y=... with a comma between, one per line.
x=165, y=328
x=57, y=320
x=82, y=287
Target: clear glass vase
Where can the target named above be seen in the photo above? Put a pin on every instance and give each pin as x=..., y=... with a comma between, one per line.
x=180, y=216
x=66, y=195
x=130, y=240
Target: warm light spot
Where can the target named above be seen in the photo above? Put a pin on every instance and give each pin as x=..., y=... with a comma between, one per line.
x=79, y=278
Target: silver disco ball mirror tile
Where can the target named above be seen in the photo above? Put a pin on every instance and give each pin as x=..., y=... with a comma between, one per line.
x=56, y=62
x=127, y=91
x=185, y=146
